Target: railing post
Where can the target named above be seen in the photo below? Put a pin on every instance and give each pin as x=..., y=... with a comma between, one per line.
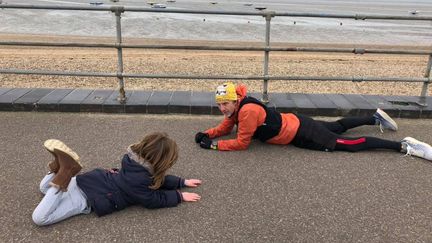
x=423, y=95
x=268, y=16
x=122, y=94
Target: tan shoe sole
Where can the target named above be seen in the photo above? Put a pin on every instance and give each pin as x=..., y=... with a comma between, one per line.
x=52, y=144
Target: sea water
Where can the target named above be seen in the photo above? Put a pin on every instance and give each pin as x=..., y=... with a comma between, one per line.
x=231, y=27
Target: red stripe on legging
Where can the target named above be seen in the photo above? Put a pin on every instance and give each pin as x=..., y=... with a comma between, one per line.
x=351, y=142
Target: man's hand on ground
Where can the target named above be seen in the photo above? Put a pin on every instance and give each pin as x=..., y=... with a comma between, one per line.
x=206, y=143
x=199, y=136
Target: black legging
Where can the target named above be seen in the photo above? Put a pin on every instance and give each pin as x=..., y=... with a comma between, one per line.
x=359, y=143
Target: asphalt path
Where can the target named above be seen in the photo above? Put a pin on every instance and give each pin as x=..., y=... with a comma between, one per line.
x=268, y=193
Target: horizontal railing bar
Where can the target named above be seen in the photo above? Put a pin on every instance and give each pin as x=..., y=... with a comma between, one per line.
x=57, y=73
x=352, y=50
x=216, y=77
x=56, y=7
x=352, y=79
x=59, y=44
x=224, y=48
x=355, y=16
x=257, y=13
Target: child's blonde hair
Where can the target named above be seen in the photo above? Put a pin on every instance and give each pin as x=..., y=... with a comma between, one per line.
x=160, y=151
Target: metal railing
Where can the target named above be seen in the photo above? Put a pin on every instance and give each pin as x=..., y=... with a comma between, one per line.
x=268, y=15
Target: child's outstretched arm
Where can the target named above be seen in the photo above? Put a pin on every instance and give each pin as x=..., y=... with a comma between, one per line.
x=192, y=182
x=190, y=197
x=224, y=128
x=172, y=182
x=162, y=198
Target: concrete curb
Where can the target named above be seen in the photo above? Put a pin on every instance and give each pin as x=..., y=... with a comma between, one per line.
x=189, y=102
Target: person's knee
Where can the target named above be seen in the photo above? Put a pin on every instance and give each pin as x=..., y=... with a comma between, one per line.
x=341, y=128
x=43, y=188
x=38, y=219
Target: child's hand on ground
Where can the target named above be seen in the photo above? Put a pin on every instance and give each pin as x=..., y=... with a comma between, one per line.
x=190, y=197
x=192, y=182
x=113, y=170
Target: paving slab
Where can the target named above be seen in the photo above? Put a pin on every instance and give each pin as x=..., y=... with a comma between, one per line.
x=50, y=102
x=303, y=104
x=426, y=112
x=282, y=103
x=28, y=102
x=8, y=98
x=4, y=90
x=72, y=101
x=203, y=103
x=95, y=100
x=180, y=102
x=380, y=102
x=158, y=102
x=113, y=105
x=345, y=107
x=360, y=102
x=137, y=102
x=407, y=108
x=414, y=109
x=258, y=96
x=326, y=106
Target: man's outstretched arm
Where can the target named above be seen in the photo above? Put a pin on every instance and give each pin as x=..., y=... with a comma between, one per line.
x=224, y=128
x=250, y=118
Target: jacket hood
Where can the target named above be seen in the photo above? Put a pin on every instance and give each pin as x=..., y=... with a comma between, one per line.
x=136, y=158
x=241, y=91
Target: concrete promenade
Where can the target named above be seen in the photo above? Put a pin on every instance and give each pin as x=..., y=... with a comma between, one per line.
x=188, y=102
x=267, y=193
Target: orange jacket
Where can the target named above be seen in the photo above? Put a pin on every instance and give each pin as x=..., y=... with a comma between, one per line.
x=248, y=119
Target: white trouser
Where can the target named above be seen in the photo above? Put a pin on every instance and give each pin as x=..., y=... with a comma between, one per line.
x=58, y=205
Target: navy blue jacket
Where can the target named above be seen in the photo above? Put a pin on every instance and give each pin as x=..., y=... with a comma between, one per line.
x=108, y=192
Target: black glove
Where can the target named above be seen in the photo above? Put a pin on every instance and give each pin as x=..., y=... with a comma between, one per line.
x=207, y=143
x=199, y=137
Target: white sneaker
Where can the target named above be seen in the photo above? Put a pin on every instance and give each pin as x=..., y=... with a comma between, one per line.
x=412, y=146
x=385, y=121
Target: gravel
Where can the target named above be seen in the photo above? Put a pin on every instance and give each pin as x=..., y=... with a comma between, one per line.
x=152, y=61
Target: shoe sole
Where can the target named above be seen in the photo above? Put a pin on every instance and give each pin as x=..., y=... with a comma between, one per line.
x=388, y=119
x=52, y=144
